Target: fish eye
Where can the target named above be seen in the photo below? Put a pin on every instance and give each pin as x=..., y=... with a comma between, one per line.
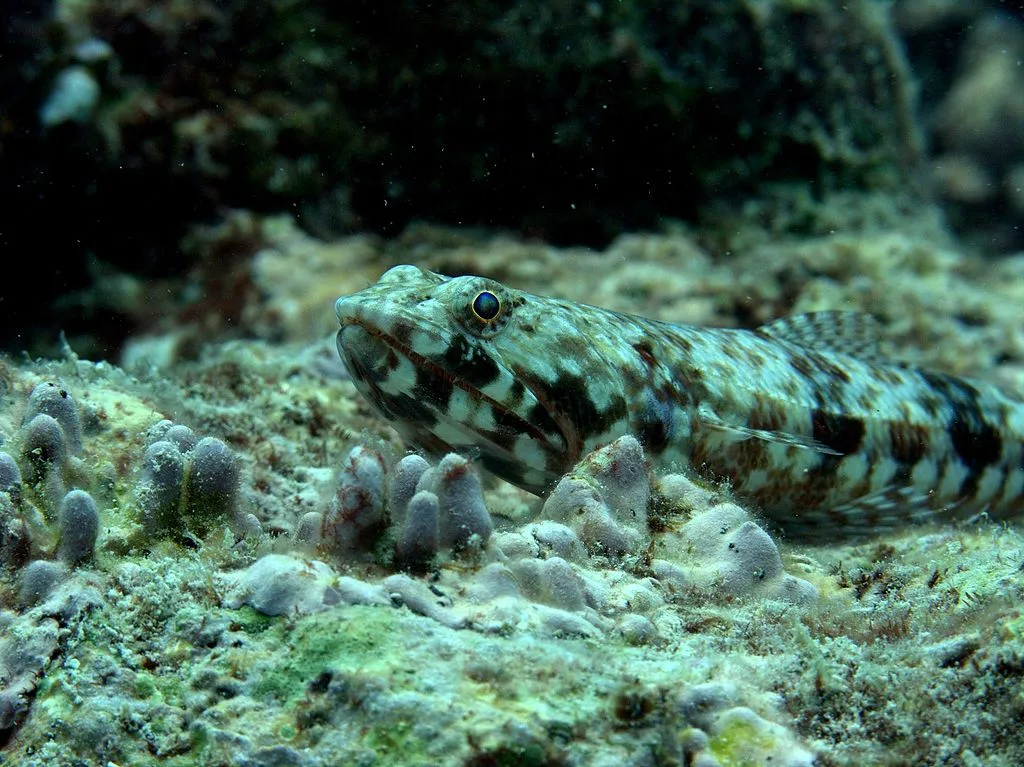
x=486, y=305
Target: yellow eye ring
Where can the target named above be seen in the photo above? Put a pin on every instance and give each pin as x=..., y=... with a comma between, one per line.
x=486, y=306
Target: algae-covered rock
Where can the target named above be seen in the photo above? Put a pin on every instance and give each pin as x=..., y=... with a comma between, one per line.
x=512, y=638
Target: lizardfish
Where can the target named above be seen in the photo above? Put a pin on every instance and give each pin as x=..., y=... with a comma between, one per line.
x=798, y=416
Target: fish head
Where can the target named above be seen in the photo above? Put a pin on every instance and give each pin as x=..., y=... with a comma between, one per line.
x=448, y=361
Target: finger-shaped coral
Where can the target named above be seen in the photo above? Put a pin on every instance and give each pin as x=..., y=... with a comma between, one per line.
x=45, y=457
x=10, y=476
x=158, y=491
x=464, y=521
x=15, y=540
x=38, y=579
x=15, y=544
x=309, y=530
x=43, y=446
x=402, y=485
x=426, y=509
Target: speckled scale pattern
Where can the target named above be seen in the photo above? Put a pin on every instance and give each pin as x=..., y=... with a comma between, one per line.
x=821, y=441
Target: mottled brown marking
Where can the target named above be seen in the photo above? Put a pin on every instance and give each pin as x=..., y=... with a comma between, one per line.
x=979, y=444
x=861, y=488
x=803, y=366
x=754, y=455
x=908, y=442
x=766, y=418
x=402, y=332
x=932, y=405
x=838, y=517
x=840, y=432
x=653, y=435
x=826, y=367
x=643, y=348
x=728, y=348
x=574, y=347
x=754, y=359
x=887, y=375
x=682, y=343
x=790, y=389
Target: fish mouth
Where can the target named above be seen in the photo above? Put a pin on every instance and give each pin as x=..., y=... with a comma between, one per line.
x=365, y=356
x=374, y=356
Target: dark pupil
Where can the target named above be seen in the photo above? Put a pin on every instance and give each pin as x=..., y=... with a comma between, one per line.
x=486, y=306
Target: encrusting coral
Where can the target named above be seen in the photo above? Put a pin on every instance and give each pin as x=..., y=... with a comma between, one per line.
x=544, y=577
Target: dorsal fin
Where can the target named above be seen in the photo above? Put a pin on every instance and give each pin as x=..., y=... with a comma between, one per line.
x=855, y=333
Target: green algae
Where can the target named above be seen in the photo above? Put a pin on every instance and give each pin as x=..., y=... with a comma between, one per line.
x=1012, y=629
x=325, y=643
x=394, y=741
x=249, y=621
x=145, y=686
x=742, y=744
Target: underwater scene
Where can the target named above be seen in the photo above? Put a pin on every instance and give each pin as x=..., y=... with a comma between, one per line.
x=556, y=383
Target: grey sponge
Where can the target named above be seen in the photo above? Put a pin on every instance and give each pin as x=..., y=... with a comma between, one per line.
x=10, y=476
x=187, y=488
x=44, y=452
x=734, y=557
x=79, y=524
x=43, y=443
x=56, y=402
x=355, y=518
x=402, y=487
x=38, y=579
x=447, y=510
x=417, y=538
x=14, y=541
x=466, y=523
x=211, y=485
x=159, y=489
x=418, y=509
x=604, y=500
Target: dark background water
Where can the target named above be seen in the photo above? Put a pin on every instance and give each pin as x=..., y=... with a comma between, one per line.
x=125, y=124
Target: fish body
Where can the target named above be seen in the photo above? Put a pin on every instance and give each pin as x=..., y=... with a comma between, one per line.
x=817, y=438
